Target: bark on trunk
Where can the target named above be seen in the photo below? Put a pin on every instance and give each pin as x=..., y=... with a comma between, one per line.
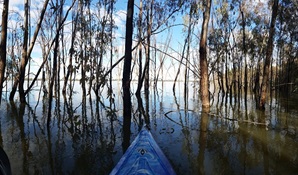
x=24, y=59
x=204, y=84
x=267, y=61
x=244, y=54
x=3, y=44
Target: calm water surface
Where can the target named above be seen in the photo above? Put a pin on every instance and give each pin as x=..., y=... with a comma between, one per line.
x=85, y=134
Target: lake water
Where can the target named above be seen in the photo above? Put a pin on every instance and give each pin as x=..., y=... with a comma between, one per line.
x=85, y=134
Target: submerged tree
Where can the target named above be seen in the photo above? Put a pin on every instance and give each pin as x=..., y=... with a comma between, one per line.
x=127, y=69
x=26, y=53
x=269, y=52
x=3, y=42
x=204, y=83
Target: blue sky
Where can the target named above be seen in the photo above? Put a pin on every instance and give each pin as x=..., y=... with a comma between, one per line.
x=178, y=37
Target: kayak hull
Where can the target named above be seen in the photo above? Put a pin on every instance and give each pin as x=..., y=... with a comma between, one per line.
x=143, y=156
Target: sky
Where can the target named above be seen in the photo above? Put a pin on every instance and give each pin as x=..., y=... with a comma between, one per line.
x=16, y=7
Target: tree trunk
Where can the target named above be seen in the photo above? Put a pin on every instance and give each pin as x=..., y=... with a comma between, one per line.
x=226, y=70
x=28, y=52
x=3, y=44
x=147, y=48
x=111, y=53
x=54, y=68
x=71, y=52
x=244, y=54
x=140, y=81
x=204, y=84
x=126, y=71
x=24, y=59
x=267, y=61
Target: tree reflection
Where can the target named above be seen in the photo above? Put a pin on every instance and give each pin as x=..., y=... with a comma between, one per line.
x=18, y=114
x=202, y=141
x=86, y=134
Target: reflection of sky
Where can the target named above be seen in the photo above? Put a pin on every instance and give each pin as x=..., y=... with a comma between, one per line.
x=177, y=133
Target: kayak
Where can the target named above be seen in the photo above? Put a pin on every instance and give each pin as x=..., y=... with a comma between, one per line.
x=143, y=156
x=5, y=168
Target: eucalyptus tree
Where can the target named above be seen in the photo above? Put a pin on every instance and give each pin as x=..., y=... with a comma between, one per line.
x=218, y=43
x=222, y=42
x=204, y=79
x=268, y=58
x=92, y=25
x=26, y=52
x=158, y=15
x=140, y=51
x=287, y=43
x=14, y=45
x=189, y=19
x=256, y=49
x=127, y=71
x=53, y=80
x=103, y=39
x=70, y=67
x=25, y=58
x=3, y=43
x=242, y=11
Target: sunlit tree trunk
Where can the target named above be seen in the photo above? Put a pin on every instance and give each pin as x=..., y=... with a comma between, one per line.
x=24, y=59
x=3, y=44
x=204, y=83
x=267, y=60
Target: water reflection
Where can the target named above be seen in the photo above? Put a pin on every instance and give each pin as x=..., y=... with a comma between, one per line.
x=86, y=133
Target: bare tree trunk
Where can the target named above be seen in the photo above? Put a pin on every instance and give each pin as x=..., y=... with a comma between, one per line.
x=28, y=53
x=111, y=53
x=179, y=67
x=204, y=84
x=140, y=30
x=245, y=51
x=3, y=44
x=227, y=71
x=91, y=55
x=46, y=55
x=267, y=61
x=187, y=60
x=71, y=52
x=24, y=59
x=147, y=48
x=54, y=68
x=185, y=47
x=126, y=72
x=162, y=59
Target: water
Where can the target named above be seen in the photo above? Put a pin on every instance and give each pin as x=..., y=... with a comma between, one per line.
x=85, y=135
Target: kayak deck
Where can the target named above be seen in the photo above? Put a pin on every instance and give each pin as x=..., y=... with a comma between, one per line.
x=143, y=156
